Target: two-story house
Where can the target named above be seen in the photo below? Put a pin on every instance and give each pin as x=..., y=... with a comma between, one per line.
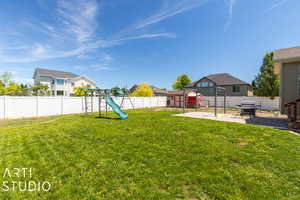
x=234, y=86
x=61, y=83
x=287, y=66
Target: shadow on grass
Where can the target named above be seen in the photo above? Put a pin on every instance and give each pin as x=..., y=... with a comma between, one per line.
x=278, y=123
x=99, y=117
x=102, y=117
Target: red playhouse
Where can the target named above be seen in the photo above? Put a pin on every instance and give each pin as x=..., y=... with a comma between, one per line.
x=176, y=99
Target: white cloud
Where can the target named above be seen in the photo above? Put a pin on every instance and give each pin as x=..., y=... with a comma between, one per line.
x=106, y=57
x=231, y=4
x=276, y=4
x=75, y=34
x=150, y=35
x=101, y=68
x=96, y=67
x=79, y=18
x=169, y=10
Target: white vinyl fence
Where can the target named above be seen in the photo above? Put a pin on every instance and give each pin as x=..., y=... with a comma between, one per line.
x=231, y=102
x=21, y=107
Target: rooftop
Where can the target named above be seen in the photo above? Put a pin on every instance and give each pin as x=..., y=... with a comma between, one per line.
x=288, y=54
x=54, y=73
x=221, y=79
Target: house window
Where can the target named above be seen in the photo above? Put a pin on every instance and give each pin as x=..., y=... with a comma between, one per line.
x=206, y=84
x=60, y=82
x=53, y=82
x=236, y=88
x=72, y=84
x=59, y=92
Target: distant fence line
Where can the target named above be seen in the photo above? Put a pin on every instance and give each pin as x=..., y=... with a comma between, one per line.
x=12, y=107
x=266, y=103
x=23, y=106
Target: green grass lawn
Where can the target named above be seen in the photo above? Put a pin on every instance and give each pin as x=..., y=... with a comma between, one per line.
x=152, y=155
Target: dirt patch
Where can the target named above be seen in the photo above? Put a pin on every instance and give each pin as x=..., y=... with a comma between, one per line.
x=186, y=192
x=242, y=144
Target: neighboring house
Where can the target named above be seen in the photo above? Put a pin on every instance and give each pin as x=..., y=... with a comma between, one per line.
x=156, y=91
x=287, y=65
x=61, y=83
x=234, y=86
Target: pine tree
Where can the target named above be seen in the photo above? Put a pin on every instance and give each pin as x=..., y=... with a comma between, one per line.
x=266, y=83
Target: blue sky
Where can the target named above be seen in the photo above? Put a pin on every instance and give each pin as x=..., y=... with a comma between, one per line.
x=123, y=42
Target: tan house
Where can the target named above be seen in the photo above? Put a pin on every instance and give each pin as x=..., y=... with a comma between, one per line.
x=234, y=86
x=287, y=65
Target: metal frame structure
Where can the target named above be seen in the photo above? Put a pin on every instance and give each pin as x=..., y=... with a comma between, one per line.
x=126, y=95
x=196, y=90
x=216, y=99
x=101, y=94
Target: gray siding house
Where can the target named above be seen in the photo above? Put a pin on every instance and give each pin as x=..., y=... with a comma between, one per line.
x=234, y=86
x=287, y=65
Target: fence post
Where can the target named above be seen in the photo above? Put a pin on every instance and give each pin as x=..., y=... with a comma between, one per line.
x=37, y=106
x=5, y=107
x=62, y=105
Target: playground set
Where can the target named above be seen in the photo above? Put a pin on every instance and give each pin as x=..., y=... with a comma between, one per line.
x=106, y=95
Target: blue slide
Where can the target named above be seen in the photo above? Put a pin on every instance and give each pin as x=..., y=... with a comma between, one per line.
x=116, y=108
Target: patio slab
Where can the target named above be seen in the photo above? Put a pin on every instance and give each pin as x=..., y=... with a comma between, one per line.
x=220, y=117
x=275, y=122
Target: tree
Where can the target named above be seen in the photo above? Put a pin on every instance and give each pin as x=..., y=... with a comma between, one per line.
x=40, y=90
x=79, y=91
x=143, y=90
x=266, y=83
x=2, y=88
x=116, y=90
x=6, y=78
x=13, y=89
x=26, y=89
x=181, y=81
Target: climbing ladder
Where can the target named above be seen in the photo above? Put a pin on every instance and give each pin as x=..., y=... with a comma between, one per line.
x=88, y=104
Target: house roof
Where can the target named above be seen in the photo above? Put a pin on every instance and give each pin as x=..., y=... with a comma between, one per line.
x=54, y=73
x=288, y=54
x=221, y=79
x=158, y=90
